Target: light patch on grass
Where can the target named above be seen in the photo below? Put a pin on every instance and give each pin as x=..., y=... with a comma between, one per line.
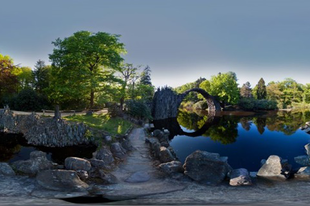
x=105, y=122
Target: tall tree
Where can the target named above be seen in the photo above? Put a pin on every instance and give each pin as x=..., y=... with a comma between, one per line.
x=8, y=80
x=79, y=64
x=146, y=76
x=41, y=75
x=246, y=90
x=261, y=92
x=224, y=86
x=24, y=76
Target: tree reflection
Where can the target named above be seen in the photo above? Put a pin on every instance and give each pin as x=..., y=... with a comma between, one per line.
x=260, y=123
x=246, y=123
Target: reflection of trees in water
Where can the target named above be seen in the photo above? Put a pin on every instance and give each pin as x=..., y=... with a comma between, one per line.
x=246, y=123
x=225, y=129
x=260, y=123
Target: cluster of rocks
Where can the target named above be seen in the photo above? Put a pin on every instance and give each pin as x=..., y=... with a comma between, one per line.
x=304, y=160
x=48, y=132
x=200, y=166
x=76, y=175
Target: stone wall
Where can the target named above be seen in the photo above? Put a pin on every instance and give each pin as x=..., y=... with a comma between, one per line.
x=44, y=131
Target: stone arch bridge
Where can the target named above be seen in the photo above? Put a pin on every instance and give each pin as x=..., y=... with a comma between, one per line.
x=166, y=102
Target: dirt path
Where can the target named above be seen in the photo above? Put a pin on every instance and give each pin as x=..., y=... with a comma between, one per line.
x=137, y=175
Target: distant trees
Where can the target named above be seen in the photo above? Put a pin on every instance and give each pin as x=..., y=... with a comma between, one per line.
x=224, y=86
x=246, y=91
x=41, y=75
x=260, y=89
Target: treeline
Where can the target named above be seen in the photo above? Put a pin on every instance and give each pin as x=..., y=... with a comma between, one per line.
x=87, y=72
x=286, y=94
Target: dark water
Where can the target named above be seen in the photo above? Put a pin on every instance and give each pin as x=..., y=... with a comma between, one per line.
x=246, y=138
x=14, y=147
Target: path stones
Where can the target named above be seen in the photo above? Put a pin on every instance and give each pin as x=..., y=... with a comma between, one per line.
x=205, y=167
x=140, y=176
x=240, y=177
x=5, y=169
x=61, y=180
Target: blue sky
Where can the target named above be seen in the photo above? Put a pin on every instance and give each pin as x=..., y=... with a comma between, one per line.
x=181, y=40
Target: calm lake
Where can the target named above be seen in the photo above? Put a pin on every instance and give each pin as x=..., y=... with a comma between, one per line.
x=244, y=137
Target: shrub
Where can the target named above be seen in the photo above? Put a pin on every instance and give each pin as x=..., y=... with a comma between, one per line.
x=257, y=104
x=138, y=109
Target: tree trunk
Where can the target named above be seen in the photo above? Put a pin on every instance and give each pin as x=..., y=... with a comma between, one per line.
x=92, y=96
x=57, y=114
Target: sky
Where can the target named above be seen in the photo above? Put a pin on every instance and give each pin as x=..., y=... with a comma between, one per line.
x=180, y=40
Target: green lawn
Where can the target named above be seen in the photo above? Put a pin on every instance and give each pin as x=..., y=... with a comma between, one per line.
x=113, y=126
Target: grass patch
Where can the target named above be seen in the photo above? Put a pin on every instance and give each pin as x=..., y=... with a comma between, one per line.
x=113, y=126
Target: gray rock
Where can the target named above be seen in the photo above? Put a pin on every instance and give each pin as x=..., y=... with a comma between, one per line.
x=5, y=169
x=240, y=177
x=107, y=139
x=76, y=163
x=303, y=160
x=83, y=175
x=117, y=150
x=37, y=162
x=107, y=178
x=162, y=137
x=165, y=155
x=61, y=180
x=155, y=147
x=127, y=145
x=140, y=176
x=274, y=168
x=171, y=167
x=105, y=155
x=99, y=164
x=205, y=167
x=307, y=147
x=303, y=173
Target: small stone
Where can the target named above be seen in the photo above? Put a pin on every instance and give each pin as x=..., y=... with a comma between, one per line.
x=117, y=150
x=108, y=178
x=171, y=167
x=274, y=168
x=5, y=169
x=303, y=173
x=137, y=177
x=105, y=155
x=165, y=155
x=240, y=177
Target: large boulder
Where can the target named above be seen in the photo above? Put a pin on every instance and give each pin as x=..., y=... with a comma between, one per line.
x=165, y=155
x=240, y=177
x=76, y=163
x=5, y=169
x=117, y=150
x=303, y=160
x=205, y=167
x=61, y=180
x=37, y=162
x=105, y=155
x=275, y=168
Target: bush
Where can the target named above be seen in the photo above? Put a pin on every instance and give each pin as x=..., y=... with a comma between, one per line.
x=29, y=100
x=257, y=104
x=138, y=109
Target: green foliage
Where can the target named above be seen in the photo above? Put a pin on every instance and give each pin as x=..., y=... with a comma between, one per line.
x=201, y=105
x=41, y=75
x=139, y=109
x=80, y=65
x=24, y=76
x=255, y=104
x=8, y=80
x=29, y=100
x=145, y=78
x=260, y=89
x=113, y=126
x=246, y=91
x=224, y=86
x=192, y=96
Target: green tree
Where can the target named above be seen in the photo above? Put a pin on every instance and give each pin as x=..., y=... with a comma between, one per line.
x=24, y=77
x=8, y=80
x=145, y=78
x=246, y=91
x=80, y=63
x=224, y=86
x=292, y=91
x=260, y=90
x=41, y=75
